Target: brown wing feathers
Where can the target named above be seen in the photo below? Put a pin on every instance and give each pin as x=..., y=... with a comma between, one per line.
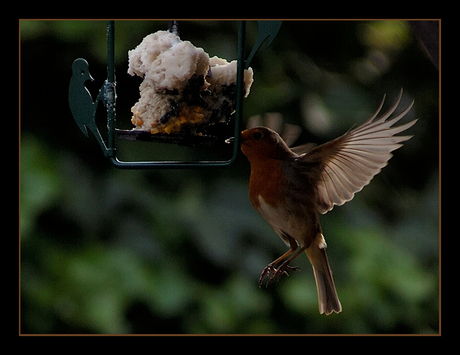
x=352, y=160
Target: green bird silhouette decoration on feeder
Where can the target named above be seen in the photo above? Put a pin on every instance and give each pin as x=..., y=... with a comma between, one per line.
x=81, y=102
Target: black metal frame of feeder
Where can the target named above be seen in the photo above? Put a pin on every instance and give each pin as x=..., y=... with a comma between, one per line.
x=85, y=119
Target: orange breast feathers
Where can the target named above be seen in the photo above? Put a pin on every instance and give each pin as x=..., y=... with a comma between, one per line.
x=267, y=180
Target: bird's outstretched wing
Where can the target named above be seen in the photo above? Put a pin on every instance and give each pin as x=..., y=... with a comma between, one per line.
x=349, y=163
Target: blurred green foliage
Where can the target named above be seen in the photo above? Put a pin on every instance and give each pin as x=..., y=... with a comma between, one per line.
x=172, y=251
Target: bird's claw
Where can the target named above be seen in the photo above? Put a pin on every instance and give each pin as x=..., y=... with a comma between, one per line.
x=267, y=271
x=274, y=273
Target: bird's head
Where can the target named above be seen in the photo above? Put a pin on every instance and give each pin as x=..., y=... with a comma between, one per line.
x=80, y=70
x=263, y=143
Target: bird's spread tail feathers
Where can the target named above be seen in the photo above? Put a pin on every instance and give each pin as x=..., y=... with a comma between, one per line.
x=328, y=301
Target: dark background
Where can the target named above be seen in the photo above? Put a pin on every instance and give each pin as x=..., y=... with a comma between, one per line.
x=180, y=251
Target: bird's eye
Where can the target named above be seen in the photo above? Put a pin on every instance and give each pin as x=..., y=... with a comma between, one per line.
x=257, y=136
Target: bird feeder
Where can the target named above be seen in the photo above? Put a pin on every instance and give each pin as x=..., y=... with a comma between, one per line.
x=84, y=109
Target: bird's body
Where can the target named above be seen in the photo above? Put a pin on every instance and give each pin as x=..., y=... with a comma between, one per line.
x=290, y=188
x=273, y=197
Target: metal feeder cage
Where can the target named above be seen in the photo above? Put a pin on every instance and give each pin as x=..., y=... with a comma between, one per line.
x=84, y=109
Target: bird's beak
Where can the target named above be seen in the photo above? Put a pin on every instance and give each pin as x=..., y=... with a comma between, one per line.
x=244, y=136
x=232, y=139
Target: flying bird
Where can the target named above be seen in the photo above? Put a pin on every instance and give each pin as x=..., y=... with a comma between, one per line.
x=291, y=187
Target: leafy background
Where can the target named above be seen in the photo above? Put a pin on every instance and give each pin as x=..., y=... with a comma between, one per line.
x=180, y=251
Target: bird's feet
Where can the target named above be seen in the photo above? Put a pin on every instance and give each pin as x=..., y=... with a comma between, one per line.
x=274, y=273
x=269, y=269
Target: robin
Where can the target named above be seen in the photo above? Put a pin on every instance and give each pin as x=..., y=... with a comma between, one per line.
x=291, y=187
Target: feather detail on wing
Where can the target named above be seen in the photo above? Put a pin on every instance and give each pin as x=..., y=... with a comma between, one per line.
x=351, y=161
